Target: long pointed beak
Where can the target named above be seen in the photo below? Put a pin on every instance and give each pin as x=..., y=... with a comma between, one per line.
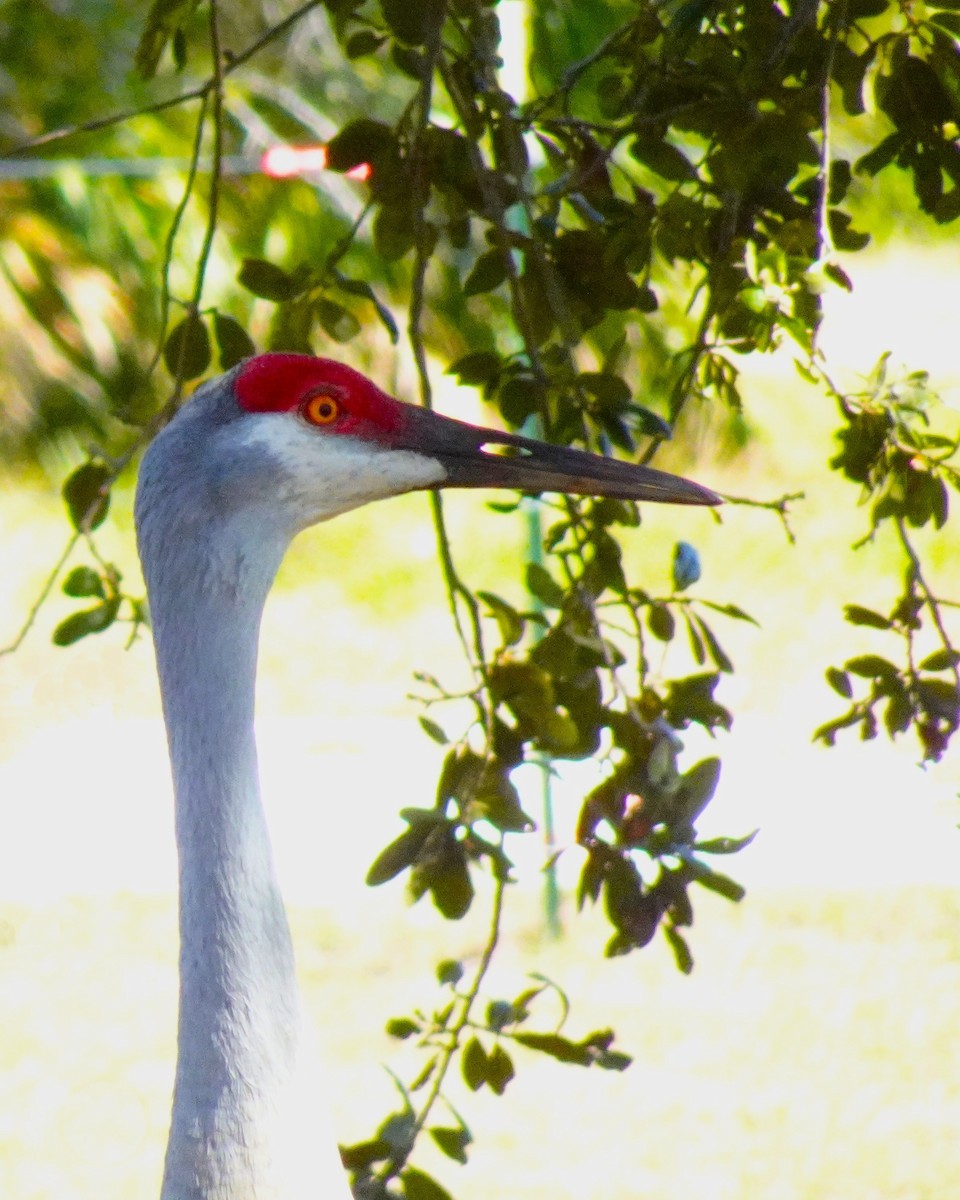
x=533, y=466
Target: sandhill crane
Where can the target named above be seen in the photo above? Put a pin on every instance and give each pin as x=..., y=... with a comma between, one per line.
x=279, y=443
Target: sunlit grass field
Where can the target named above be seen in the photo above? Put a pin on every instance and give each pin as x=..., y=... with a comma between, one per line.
x=813, y=1054
x=814, y=1051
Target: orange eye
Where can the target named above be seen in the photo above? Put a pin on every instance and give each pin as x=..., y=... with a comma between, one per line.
x=321, y=409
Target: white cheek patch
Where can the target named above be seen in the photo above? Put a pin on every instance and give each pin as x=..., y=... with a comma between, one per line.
x=321, y=474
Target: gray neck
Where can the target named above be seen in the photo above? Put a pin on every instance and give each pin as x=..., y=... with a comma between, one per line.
x=246, y=1123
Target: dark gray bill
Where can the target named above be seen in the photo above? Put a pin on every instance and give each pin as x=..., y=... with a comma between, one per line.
x=532, y=466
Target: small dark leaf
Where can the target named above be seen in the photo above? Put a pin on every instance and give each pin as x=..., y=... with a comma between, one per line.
x=542, y=585
x=400, y=854
x=509, y=621
x=474, y=1065
x=266, y=279
x=489, y=271
x=186, y=352
x=86, y=495
x=696, y=790
x=363, y=42
x=663, y=159
x=337, y=322
x=939, y=660
x=91, y=620
x=478, y=369
x=84, y=581
x=233, y=341
x=724, y=845
x=613, y=1060
x=557, y=1047
x=411, y=20
x=419, y=1186
x=453, y=1142
x=449, y=971
x=360, y=287
x=402, y=1027
x=840, y=682
x=717, y=653
x=714, y=881
x=361, y=142
x=681, y=951
x=499, y=1015
x=686, y=566
x=865, y=616
x=433, y=731
x=163, y=22
x=871, y=666
x=660, y=621
x=499, y=1069
x=364, y=1154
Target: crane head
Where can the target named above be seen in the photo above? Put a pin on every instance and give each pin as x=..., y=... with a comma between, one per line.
x=283, y=441
x=338, y=427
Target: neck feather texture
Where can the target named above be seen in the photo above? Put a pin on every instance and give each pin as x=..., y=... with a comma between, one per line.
x=247, y=1123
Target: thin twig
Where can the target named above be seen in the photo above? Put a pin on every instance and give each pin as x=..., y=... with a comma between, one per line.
x=932, y=603
x=394, y=1165
x=42, y=597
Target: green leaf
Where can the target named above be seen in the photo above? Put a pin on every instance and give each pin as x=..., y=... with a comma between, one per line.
x=940, y=660
x=696, y=789
x=337, y=322
x=489, y=271
x=393, y=231
x=663, y=159
x=164, y=19
x=857, y=615
x=473, y=1065
x=840, y=682
x=419, y=1186
x=363, y=42
x=87, y=496
x=681, y=951
x=411, y=20
x=686, y=566
x=186, y=351
x=557, y=1047
x=362, y=1155
x=871, y=666
x=433, y=731
x=448, y=878
x=714, y=881
x=361, y=142
x=542, y=585
x=717, y=653
x=400, y=854
x=509, y=621
x=233, y=342
x=453, y=1142
x=660, y=621
x=614, y=1060
x=499, y=1069
x=724, y=845
x=499, y=1015
x=402, y=1027
x=449, y=971
x=477, y=369
x=360, y=287
x=84, y=581
x=91, y=620
x=266, y=280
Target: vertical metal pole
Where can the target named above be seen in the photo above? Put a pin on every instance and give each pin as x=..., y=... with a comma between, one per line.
x=514, y=19
x=551, y=887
